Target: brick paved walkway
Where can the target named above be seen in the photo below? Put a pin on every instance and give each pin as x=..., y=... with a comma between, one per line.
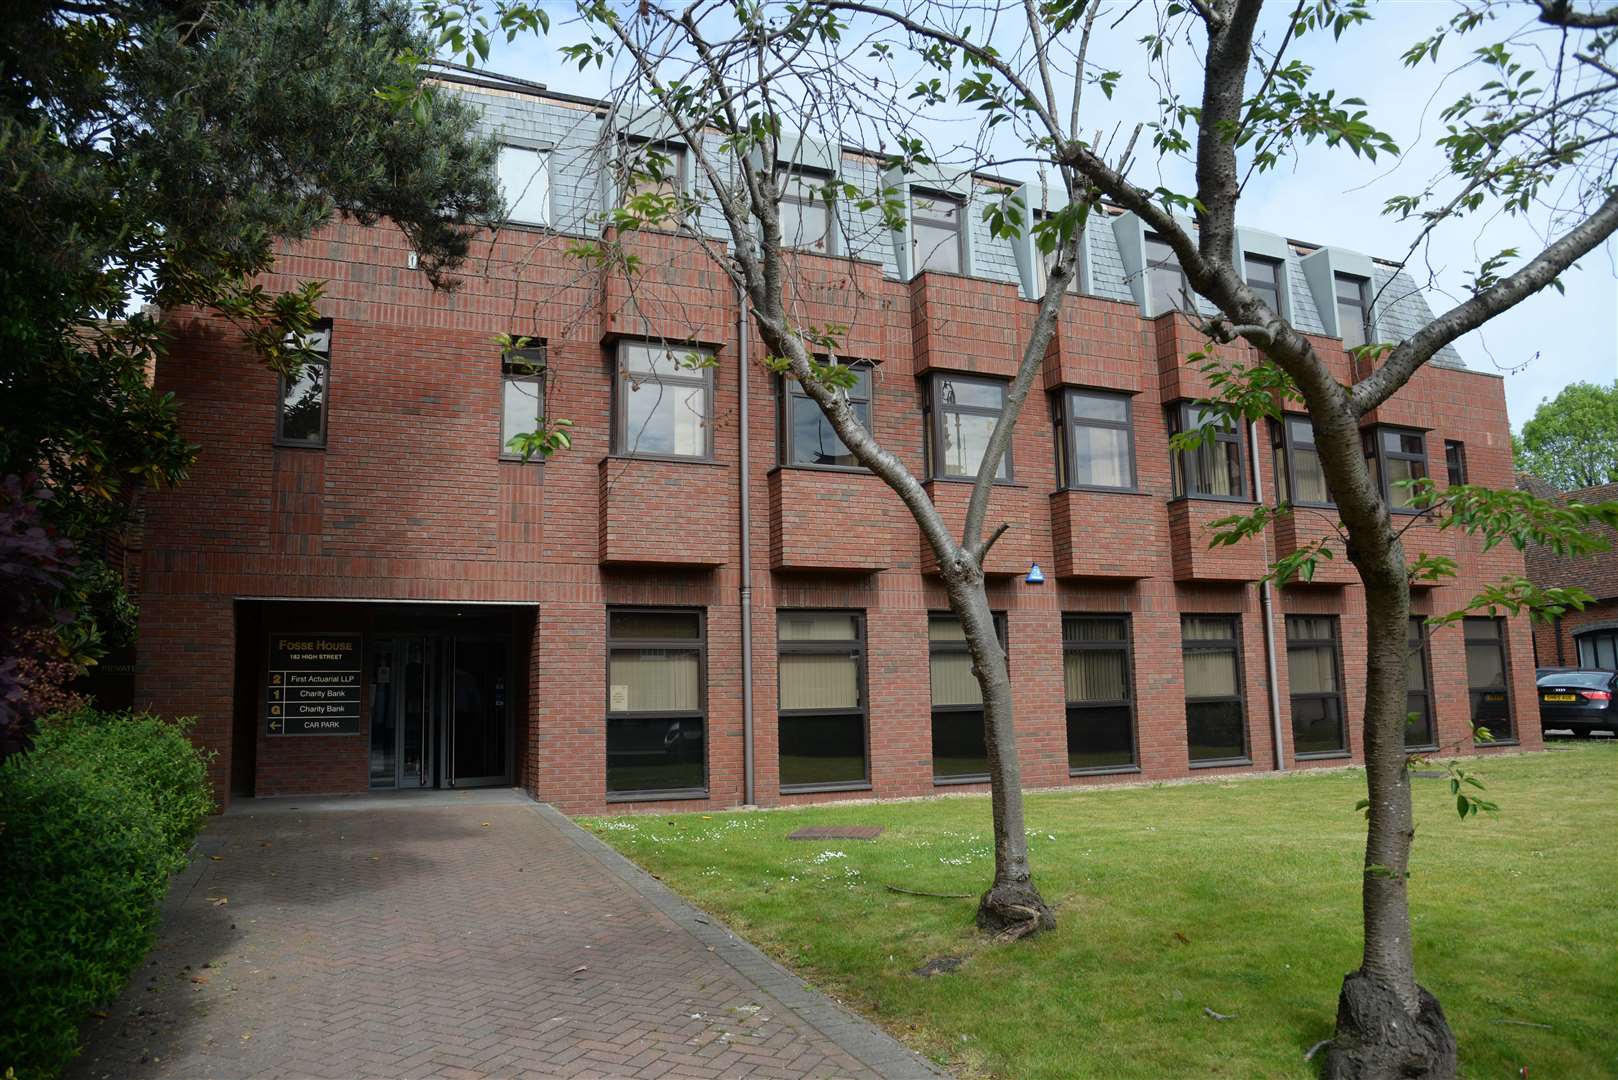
x=465, y=936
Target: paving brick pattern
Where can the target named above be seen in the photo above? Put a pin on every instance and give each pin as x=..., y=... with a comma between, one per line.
x=461, y=939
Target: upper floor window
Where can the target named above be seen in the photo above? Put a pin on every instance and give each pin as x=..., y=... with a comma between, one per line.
x=1298, y=472
x=1353, y=310
x=1313, y=670
x=1264, y=278
x=937, y=235
x=652, y=168
x=1395, y=455
x=1044, y=261
x=301, y=416
x=1214, y=469
x=961, y=414
x=1455, y=462
x=522, y=403
x=808, y=437
x=1165, y=281
x=665, y=397
x=805, y=214
x=525, y=184
x=822, y=706
x=1095, y=440
x=1486, y=668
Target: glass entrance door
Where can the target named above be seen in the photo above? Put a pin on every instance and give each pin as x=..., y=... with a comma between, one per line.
x=440, y=712
x=477, y=736
x=401, y=685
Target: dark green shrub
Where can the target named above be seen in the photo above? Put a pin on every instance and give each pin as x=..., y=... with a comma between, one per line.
x=92, y=823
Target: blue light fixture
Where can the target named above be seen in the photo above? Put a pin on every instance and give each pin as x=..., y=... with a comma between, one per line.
x=1036, y=576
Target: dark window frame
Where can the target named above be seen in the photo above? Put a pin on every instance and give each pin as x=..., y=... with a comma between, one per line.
x=1066, y=419
x=785, y=175
x=323, y=362
x=1234, y=646
x=680, y=159
x=960, y=203
x=861, y=649
x=620, y=403
x=1335, y=644
x=789, y=390
x=1282, y=441
x=933, y=412
x=1503, y=643
x=1594, y=636
x=1377, y=455
x=1250, y=261
x=1455, y=470
x=1127, y=647
x=1151, y=265
x=1361, y=305
x=1180, y=416
x=538, y=369
x=1417, y=640
x=699, y=644
x=954, y=647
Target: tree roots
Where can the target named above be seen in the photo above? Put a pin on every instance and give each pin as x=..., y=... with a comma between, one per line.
x=1377, y=1039
x=1014, y=911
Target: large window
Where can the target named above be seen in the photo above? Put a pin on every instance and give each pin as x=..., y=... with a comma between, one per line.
x=664, y=401
x=522, y=395
x=1486, y=668
x=1298, y=472
x=1165, y=281
x=1598, y=649
x=1353, y=310
x=961, y=414
x=1420, y=731
x=652, y=168
x=822, y=703
x=1214, y=469
x=807, y=436
x=301, y=415
x=1094, y=440
x=1455, y=462
x=656, y=670
x=806, y=222
x=1264, y=278
x=1314, y=671
x=960, y=750
x=1215, y=719
x=1100, y=692
x=525, y=184
x=937, y=236
x=1395, y=455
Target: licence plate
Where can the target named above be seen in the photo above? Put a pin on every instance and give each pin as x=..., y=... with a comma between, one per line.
x=1559, y=697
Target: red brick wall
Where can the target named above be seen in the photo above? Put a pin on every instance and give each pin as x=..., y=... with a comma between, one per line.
x=410, y=501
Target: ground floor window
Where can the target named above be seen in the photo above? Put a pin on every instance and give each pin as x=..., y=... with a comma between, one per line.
x=656, y=722
x=1100, y=692
x=822, y=703
x=1420, y=733
x=1317, y=697
x=1486, y=669
x=960, y=750
x=1598, y=649
x=1215, y=718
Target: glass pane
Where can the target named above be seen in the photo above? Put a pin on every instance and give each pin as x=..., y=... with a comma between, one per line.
x=1478, y=629
x=813, y=440
x=1317, y=726
x=1264, y=278
x=937, y=247
x=1081, y=629
x=971, y=393
x=805, y=226
x=1168, y=289
x=1095, y=675
x=1312, y=669
x=819, y=681
x=1350, y=288
x=678, y=625
x=653, y=169
x=1311, y=477
x=303, y=404
x=1300, y=431
x=665, y=418
x=952, y=680
x=822, y=750
x=524, y=184
x=387, y=689
x=654, y=755
x=671, y=363
x=1099, y=407
x=1210, y=673
x=653, y=680
x=1418, y=721
x=1310, y=628
x=817, y=626
x=959, y=746
x=1099, y=738
x=1101, y=457
x=966, y=439
x=945, y=628
x=1351, y=325
x=1208, y=628
x=520, y=410
x=1400, y=469
x=481, y=704
x=1214, y=730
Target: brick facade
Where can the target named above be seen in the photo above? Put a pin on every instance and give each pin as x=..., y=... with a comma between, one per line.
x=410, y=503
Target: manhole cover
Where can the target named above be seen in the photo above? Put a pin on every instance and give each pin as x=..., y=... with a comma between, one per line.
x=837, y=832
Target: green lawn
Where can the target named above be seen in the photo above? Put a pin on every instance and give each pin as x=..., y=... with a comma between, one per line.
x=1241, y=896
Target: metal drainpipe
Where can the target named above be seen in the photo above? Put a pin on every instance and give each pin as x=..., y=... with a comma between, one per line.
x=1266, y=603
x=747, y=550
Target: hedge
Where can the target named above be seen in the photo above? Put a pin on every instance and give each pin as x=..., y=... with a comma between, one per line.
x=93, y=821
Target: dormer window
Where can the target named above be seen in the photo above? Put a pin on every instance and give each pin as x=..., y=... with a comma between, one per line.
x=1353, y=310
x=1264, y=278
x=805, y=213
x=937, y=238
x=1165, y=281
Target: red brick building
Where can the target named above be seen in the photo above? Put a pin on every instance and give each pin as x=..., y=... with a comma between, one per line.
x=358, y=589
x=1587, y=638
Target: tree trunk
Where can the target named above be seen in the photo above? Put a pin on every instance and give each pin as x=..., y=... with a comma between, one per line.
x=1012, y=904
x=1387, y=1025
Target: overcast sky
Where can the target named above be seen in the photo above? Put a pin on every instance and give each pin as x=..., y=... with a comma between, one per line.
x=1329, y=197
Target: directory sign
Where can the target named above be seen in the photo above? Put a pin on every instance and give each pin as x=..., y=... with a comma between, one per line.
x=314, y=684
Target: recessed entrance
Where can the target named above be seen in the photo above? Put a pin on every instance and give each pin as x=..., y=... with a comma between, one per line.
x=440, y=711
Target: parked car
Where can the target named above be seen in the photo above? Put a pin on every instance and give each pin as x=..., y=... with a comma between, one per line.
x=1578, y=700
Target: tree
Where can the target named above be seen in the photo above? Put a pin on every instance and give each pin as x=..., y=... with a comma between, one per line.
x=1572, y=440
x=159, y=151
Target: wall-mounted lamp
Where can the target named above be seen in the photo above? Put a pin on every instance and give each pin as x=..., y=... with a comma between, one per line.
x=1036, y=576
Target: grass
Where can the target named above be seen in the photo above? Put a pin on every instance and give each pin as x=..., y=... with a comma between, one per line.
x=1239, y=896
